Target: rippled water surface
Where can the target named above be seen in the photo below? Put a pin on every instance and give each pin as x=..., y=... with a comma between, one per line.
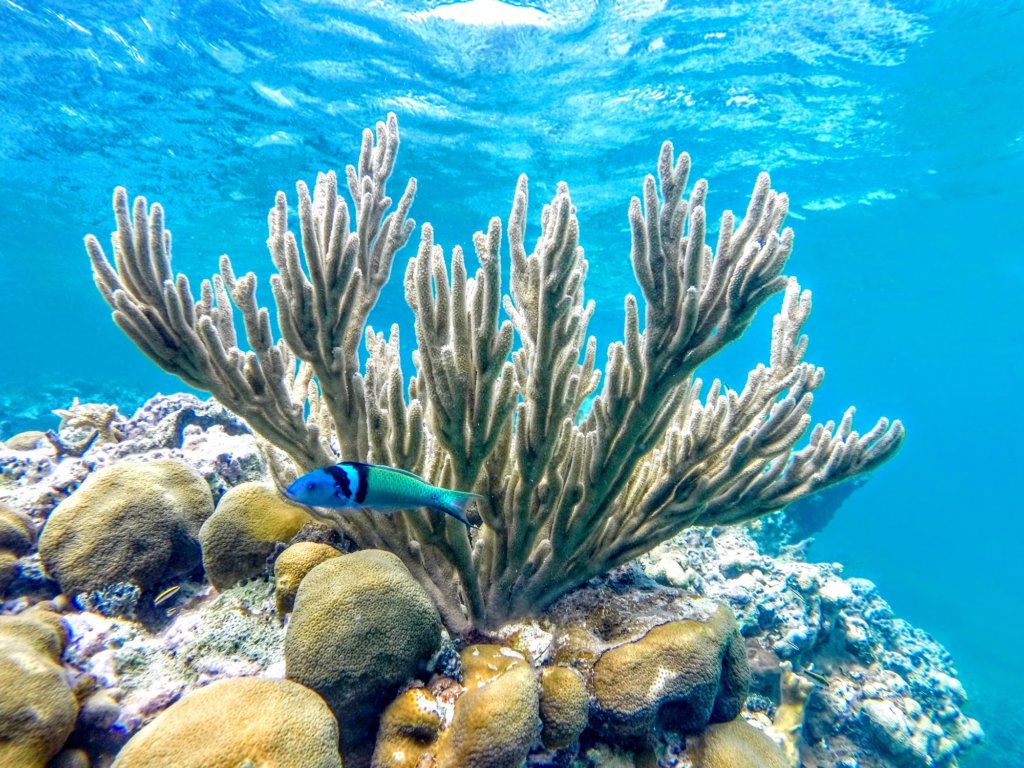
x=897, y=128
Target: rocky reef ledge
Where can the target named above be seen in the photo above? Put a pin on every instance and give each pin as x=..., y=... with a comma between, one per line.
x=163, y=606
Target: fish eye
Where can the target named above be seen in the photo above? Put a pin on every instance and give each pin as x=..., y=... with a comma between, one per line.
x=310, y=485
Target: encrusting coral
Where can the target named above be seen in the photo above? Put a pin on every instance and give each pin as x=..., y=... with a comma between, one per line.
x=568, y=496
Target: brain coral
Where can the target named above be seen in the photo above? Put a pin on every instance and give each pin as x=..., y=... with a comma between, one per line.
x=132, y=522
x=238, y=722
x=361, y=627
x=291, y=568
x=241, y=533
x=37, y=706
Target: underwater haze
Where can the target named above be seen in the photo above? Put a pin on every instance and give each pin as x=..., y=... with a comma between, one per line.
x=896, y=129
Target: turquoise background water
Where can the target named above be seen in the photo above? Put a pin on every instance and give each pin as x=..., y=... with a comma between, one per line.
x=896, y=128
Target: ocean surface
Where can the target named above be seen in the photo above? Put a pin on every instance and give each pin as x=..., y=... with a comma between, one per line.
x=896, y=128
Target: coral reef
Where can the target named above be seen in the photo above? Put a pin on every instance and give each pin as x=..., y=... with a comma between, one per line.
x=569, y=496
x=240, y=535
x=239, y=721
x=891, y=696
x=132, y=522
x=361, y=627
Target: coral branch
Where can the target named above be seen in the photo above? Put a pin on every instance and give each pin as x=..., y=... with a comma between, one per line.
x=568, y=495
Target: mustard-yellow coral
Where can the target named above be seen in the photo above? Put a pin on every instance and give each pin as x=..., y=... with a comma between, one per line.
x=15, y=541
x=737, y=744
x=134, y=522
x=362, y=626
x=37, y=705
x=679, y=676
x=291, y=568
x=564, y=705
x=497, y=719
x=238, y=722
x=241, y=533
x=493, y=723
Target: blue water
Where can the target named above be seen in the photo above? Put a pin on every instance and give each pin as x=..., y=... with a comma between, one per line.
x=896, y=128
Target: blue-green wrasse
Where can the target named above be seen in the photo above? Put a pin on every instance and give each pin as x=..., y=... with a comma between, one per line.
x=353, y=485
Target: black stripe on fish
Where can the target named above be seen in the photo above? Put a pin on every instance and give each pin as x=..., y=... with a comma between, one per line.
x=340, y=477
x=362, y=481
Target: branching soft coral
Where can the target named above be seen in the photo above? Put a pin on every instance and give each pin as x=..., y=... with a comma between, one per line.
x=495, y=406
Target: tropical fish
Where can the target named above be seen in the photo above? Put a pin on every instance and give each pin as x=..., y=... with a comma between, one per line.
x=167, y=594
x=816, y=677
x=353, y=485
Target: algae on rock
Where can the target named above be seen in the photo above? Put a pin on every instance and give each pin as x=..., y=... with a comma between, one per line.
x=568, y=495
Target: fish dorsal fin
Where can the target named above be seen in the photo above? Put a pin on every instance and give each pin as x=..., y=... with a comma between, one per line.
x=386, y=467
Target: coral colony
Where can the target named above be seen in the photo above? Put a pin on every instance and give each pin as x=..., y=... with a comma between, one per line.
x=177, y=609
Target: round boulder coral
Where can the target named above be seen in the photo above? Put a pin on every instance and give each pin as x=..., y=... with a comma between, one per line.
x=361, y=628
x=15, y=532
x=564, y=703
x=37, y=706
x=492, y=723
x=291, y=568
x=236, y=722
x=241, y=533
x=737, y=744
x=680, y=676
x=496, y=720
x=132, y=522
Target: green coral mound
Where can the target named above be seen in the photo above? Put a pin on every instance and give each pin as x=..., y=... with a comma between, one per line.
x=241, y=533
x=361, y=628
x=238, y=722
x=132, y=522
x=37, y=706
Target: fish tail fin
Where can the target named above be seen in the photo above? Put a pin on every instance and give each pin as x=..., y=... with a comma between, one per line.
x=454, y=503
